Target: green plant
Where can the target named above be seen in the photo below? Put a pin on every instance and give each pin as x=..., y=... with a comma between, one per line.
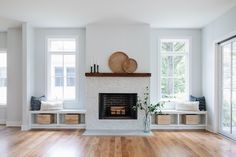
x=143, y=104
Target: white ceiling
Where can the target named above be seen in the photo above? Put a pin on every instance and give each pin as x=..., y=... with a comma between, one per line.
x=78, y=13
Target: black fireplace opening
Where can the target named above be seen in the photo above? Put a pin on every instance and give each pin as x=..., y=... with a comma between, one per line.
x=117, y=105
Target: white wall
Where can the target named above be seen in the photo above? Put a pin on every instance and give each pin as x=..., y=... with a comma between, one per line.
x=104, y=39
x=3, y=45
x=28, y=71
x=14, y=76
x=40, y=60
x=195, y=59
x=3, y=40
x=221, y=28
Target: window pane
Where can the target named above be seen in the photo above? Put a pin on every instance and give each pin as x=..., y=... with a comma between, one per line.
x=59, y=76
x=179, y=88
x=69, y=45
x=69, y=60
x=234, y=65
x=57, y=66
x=179, y=46
x=60, y=45
x=226, y=111
x=179, y=66
x=167, y=88
x=56, y=91
x=167, y=46
x=69, y=89
x=234, y=90
x=234, y=111
x=167, y=66
x=3, y=95
x=56, y=45
x=3, y=78
x=70, y=76
x=226, y=71
x=3, y=59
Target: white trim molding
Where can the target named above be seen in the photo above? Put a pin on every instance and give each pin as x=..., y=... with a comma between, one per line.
x=24, y=128
x=13, y=123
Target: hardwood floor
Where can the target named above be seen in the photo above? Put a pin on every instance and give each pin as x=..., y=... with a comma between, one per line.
x=71, y=143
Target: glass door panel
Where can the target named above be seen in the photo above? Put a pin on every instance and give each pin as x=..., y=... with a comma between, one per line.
x=234, y=112
x=226, y=69
x=234, y=89
x=228, y=89
x=226, y=112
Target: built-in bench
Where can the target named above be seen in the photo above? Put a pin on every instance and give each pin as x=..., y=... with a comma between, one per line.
x=175, y=115
x=58, y=119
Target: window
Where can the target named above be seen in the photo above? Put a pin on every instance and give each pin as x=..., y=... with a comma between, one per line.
x=174, y=68
x=62, y=68
x=3, y=77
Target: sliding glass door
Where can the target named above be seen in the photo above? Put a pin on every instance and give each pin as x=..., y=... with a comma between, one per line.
x=228, y=89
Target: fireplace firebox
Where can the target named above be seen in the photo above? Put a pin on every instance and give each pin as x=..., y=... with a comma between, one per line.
x=117, y=105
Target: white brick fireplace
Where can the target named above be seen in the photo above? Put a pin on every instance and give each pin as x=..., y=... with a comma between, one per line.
x=102, y=39
x=96, y=85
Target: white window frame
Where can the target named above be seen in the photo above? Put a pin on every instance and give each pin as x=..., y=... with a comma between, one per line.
x=3, y=105
x=48, y=64
x=188, y=66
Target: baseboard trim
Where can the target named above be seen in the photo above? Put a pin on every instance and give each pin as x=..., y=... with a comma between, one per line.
x=2, y=121
x=13, y=123
x=210, y=130
x=24, y=127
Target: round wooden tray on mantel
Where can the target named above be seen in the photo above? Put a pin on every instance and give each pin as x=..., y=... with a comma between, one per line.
x=116, y=61
x=130, y=65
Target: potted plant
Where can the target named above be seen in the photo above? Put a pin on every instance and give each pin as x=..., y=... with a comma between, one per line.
x=149, y=109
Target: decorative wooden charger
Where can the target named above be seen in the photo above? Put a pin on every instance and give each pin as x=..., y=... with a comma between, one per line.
x=116, y=61
x=130, y=65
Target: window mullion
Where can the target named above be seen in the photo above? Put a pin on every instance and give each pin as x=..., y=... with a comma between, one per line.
x=231, y=89
x=173, y=80
x=63, y=63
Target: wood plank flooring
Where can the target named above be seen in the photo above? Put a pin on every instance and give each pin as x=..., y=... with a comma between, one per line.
x=71, y=143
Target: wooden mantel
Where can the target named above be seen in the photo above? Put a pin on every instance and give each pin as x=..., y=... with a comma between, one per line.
x=118, y=74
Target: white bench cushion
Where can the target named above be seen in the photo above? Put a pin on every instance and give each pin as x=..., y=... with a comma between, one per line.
x=51, y=105
x=187, y=106
x=169, y=105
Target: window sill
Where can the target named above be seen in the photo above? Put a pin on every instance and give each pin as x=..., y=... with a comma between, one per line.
x=173, y=100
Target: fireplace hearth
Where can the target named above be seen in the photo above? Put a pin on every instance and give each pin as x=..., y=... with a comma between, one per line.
x=117, y=105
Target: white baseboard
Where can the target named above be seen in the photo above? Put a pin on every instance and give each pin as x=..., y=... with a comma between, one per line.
x=24, y=127
x=116, y=133
x=13, y=123
x=2, y=121
x=210, y=130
